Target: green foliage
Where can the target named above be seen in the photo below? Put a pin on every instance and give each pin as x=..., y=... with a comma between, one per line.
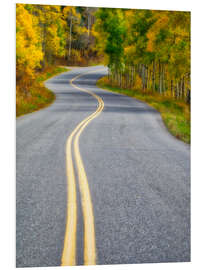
x=112, y=25
x=155, y=43
x=145, y=48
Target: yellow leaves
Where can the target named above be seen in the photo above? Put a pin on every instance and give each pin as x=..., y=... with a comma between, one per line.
x=28, y=51
x=163, y=20
x=24, y=22
x=150, y=44
x=52, y=39
x=71, y=11
x=40, y=34
x=129, y=50
x=47, y=14
x=129, y=14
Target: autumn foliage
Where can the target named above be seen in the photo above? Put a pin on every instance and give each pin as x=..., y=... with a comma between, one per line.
x=147, y=49
x=46, y=34
x=144, y=49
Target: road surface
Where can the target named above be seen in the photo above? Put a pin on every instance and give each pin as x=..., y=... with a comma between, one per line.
x=128, y=201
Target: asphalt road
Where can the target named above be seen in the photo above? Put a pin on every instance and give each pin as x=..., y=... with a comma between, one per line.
x=138, y=175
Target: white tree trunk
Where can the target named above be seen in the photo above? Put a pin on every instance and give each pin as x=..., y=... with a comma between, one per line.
x=70, y=37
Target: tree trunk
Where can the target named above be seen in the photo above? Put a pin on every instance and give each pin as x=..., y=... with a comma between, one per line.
x=188, y=96
x=149, y=80
x=143, y=77
x=154, y=75
x=160, y=78
x=177, y=89
x=171, y=88
x=180, y=88
x=134, y=74
x=70, y=38
x=146, y=81
x=183, y=88
x=163, y=78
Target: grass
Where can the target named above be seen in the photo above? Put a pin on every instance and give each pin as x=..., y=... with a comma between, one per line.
x=175, y=114
x=38, y=96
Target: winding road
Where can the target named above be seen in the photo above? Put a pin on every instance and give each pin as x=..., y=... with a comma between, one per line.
x=99, y=180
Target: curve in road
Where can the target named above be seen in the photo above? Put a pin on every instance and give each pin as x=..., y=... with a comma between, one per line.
x=138, y=178
x=68, y=256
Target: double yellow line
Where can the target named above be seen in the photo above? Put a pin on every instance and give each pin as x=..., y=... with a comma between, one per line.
x=69, y=250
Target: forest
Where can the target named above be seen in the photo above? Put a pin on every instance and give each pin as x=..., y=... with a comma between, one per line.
x=145, y=49
x=152, y=47
x=50, y=35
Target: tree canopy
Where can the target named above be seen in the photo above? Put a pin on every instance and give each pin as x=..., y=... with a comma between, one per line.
x=147, y=46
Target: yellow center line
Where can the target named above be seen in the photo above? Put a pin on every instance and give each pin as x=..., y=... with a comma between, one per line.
x=69, y=250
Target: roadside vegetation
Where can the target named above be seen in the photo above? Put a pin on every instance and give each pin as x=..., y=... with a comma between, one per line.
x=148, y=57
x=148, y=47
x=38, y=95
x=147, y=53
x=48, y=36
